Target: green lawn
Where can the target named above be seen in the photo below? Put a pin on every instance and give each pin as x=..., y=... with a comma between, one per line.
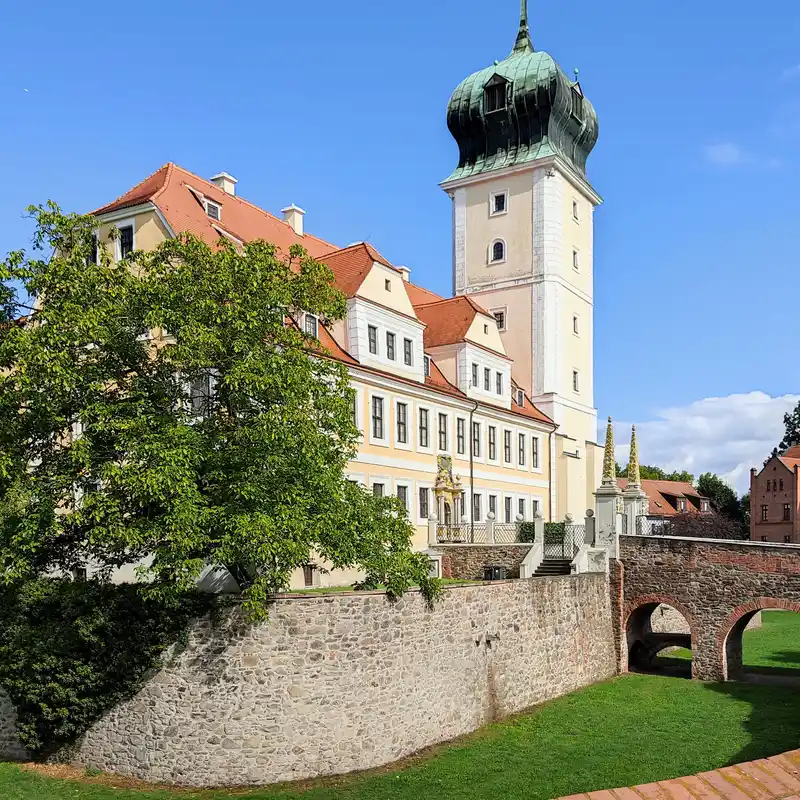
x=634, y=729
x=773, y=648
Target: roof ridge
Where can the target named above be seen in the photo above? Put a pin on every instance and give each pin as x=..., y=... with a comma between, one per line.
x=141, y=183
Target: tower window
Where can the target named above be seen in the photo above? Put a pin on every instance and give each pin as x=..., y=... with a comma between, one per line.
x=576, y=264
x=577, y=104
x=387, y=284
x=498, y=203
x=575, y=210
x=498, y=251
x=575, y=324
x=494, y=97
x=500, y=319
x=575, y=381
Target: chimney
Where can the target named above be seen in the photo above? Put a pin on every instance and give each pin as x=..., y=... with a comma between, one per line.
x=225, y=182
x=406, y=273
x=294, y=217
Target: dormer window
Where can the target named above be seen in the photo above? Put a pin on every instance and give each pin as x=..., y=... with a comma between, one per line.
x=498, y=252
x=577, y=104
x=520, y=398
x=387, y=284
x=311, y=325
x=427, y=366
x=212, y=209
x=495, y=95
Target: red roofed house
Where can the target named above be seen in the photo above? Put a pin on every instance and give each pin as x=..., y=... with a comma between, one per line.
x=775, y=499
x=432, y=375
x=669, y=498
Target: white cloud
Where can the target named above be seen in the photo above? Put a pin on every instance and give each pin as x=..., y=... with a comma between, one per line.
x=724, y=435
x=725, y=154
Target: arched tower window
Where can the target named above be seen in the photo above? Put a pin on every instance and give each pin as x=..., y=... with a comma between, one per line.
x=498, y=251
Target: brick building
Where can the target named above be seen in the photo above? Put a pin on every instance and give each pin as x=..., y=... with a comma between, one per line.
x=775, y=499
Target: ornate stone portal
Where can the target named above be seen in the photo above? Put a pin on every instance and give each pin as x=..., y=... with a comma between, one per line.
x=447, y=490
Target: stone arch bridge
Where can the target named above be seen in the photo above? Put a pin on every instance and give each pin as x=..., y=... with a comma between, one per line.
x=718, y=585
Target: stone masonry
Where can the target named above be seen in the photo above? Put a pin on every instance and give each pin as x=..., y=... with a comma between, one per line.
x=468, y=561
x=347, y=682
x=666, y=619
x=718, y=586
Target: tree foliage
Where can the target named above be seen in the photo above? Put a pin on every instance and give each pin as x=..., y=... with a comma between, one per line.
x=657, y=474
x=705, y=526
x=226, y=446
x=791, y=435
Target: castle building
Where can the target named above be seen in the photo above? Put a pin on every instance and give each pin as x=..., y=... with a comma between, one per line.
x=497, y=379
x=775, y=499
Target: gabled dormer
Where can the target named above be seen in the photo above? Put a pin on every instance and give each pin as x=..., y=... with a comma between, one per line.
x=381, y=329
x=464, y=340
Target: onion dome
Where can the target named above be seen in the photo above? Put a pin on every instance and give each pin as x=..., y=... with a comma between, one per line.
x=518, y=110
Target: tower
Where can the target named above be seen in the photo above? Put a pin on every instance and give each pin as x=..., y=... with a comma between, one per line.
x=523, y=238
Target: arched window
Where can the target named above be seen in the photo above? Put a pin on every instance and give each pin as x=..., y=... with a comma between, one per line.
x=499, y=250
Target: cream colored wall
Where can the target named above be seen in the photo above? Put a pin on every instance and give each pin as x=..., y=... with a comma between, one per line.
x=446, y=359
x=517, y=302
x=578, y=235
x=374, y=288
x=515, y=227
x=483, y=331
x=148, y=231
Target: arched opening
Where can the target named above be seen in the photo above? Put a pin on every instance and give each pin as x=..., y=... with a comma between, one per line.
x=761, y=643
x=498, y=251
x=659, y=639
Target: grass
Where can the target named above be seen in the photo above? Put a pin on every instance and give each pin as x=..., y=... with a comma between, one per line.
x=633, y=729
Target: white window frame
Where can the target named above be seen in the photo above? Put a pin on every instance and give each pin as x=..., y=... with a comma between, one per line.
x=576, y=259
x=490, y=255
x=448, y=431
x=522, y=450
x=576, y=381
x=406, y=363
x=382, y=479
x=498, y=444
x=377, y=352
x=307, y=316
x=431, y=428
x=357, y=477
x=538, y=466
x=524, y=500
x=431, y=501
x=501, y=310
x=119, y=224
x=481, y=516
x=536, y=503
x=481, y=439
x=409, y=486
x=456, y=452
x=510, y=462
x=387, y=420
x=409, y=444
x=496, y=511
x=575, y=210
x=391, y=336
x=426, y=372
x=360, y=411
x=216, y=205
x=507, y=499
x=499, y=193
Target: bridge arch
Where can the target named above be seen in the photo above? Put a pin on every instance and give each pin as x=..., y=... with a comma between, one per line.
x=729, y=638
x=639, y=642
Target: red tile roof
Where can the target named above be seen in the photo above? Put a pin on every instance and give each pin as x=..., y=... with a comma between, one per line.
x=419, y=296
x=658, y=491
x=448, y=320
x=790, y=463
x=793, y=452
x=351, y=265
x=169, y=190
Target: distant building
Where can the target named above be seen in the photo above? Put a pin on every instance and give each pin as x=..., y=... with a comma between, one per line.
x=670, y=498
x=775, y=499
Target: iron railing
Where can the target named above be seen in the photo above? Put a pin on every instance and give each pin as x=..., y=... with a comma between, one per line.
x=461, y=533
x=563, y=542
x=506, y=532
x=647, y=526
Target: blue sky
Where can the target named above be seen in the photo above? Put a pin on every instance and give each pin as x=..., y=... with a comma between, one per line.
x=341, y=109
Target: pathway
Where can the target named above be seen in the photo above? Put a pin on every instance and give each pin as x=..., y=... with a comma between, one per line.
x=776, y=778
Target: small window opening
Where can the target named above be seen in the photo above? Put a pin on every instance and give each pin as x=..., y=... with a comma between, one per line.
x=495, y=97
x=500, y=319
x=212, y=209
x=498, y=251
x=387, y=284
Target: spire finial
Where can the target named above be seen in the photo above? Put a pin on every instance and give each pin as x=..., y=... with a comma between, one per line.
x=634, y=473
x=609, y=459
x=523, y=43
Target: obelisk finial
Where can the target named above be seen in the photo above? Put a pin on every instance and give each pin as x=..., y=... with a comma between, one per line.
x=523, y=43
x=634, y=474
x=609, y=459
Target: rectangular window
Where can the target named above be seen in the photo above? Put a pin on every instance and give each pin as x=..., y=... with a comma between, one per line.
x=535, y=452
x=475, y=375
x=424, y=503
x=423, y=427
x=476, y=439
x=93, y=250
x=500, y=319
x=408, y=352
x=402, y=423
x=311, y=325
x=402, y=496
x=125, y=241
x=507, y=509
x=763, y=538
x=212, y=209
x=372, y=335
x=764, y=513
x=787, y=512
x=476, y=507
x=575, y=382
x=492, y=443
x=575, y=210
x=308, y=575
x=443, y=432
x=487, y=380
x=507, y=446
x=520, y=398
x=787, y=539
x=499, y=204
x=522, y=449
x=535, y=507
x=390, y=346
x=461, y=424
x=378, y=489
x=575, y=323
x=499, y=383
x=521, y=508
x=377, y=417
x=427, y=367
x=493, y=505
x=575, y=260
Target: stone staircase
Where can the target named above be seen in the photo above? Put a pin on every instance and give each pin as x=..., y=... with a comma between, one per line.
x=551, y=567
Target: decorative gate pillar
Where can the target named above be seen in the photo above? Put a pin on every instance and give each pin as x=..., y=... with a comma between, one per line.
x=447, y=490
x=608, y=500
x=634, y=499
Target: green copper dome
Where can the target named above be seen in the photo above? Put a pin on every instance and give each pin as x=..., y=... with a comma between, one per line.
x=519, y=110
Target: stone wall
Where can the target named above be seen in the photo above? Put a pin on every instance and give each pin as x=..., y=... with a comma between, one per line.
x=718, y=586
x=666, y=619
x=468, y=561
x=351, y=681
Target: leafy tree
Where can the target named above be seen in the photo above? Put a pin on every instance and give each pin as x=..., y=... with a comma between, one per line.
x=225, y=446
x=704, y=526
x=744, y=510
x=723, y=499
x=657, y=474
x=791, y=435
